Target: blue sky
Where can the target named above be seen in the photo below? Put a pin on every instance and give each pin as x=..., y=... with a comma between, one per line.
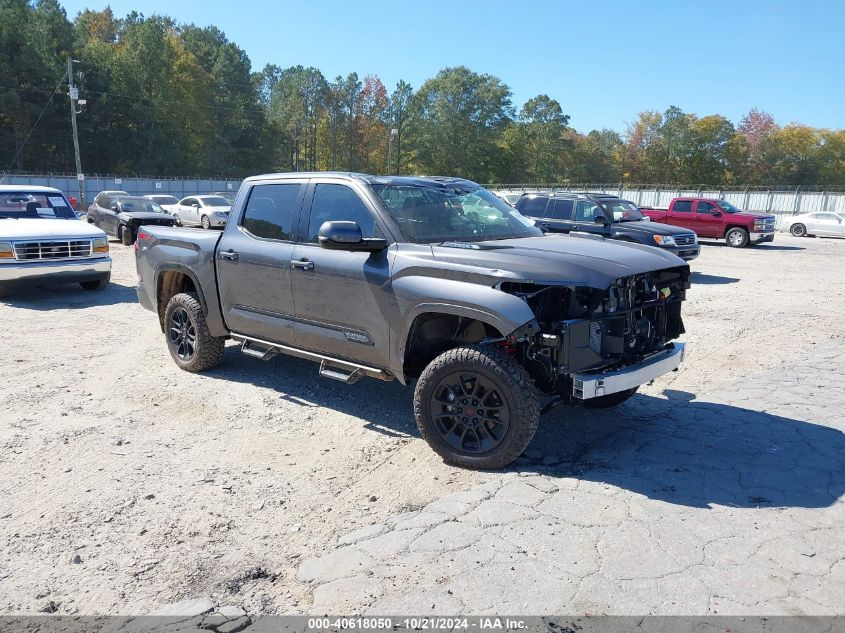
x=604, y=60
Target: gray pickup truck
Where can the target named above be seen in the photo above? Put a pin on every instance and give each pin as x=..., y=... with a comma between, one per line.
x=429, y=279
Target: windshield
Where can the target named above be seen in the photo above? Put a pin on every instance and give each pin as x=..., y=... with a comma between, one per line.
x=134, y=205
x=215, y=201
x=622, y=211
x=35, y=204
x=453, y=213
x=728, y=207
x=165, y=199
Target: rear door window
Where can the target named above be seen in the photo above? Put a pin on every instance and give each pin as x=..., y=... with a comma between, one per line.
x=272, y=210
x=682, y=206
x=562, y=209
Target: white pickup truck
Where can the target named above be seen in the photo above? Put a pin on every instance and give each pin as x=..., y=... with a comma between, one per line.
x=43, y=242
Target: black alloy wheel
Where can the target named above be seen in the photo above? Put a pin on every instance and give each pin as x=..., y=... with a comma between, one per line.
x=469, y=412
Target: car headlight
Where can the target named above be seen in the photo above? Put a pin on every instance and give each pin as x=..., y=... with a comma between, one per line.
x=100, y=244
x=6, y=251
x=664, y=240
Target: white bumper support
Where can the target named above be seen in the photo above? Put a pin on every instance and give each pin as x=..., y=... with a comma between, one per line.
x=592, y=385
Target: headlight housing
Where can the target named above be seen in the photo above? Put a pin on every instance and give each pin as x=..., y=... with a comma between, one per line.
x=100, y=245
x=6, y=251
x=664, y=240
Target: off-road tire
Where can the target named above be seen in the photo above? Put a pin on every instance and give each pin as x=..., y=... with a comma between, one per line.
x=97, y=284
x=206, y=223
x=610, y=400
x=798, y=230
x=512, y=382
x=208, y=349
x=739, y=235
x=126, y=236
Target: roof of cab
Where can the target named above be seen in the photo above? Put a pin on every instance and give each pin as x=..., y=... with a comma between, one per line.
x=410, y=181
x=30, y=188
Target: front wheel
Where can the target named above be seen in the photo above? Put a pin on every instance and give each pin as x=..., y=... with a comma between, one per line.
x=798, y=230
x=737, y=237
x=126, y=236
x=206, y=223
x=190, y=343
x=476, y=407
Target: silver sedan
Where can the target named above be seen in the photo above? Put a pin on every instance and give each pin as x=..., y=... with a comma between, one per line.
x=819, y=223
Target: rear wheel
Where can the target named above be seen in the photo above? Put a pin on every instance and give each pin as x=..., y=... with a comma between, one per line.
x=126, y=236
x=476, y=407
x=610, y=400
x=206, y=223
x=737, y=237
x=798, y=230
x=190, y=343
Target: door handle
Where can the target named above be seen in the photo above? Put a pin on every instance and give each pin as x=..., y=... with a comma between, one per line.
x=302, y=264
x=230, y=255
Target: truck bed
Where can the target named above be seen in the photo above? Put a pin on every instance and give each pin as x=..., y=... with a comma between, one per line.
x=190, y=251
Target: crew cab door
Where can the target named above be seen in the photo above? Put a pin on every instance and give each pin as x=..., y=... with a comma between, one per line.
x=681, y=214
x=342, y=298
x=253, y=262
x=707, y=224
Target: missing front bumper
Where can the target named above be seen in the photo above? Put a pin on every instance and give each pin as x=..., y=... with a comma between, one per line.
x=587, y=385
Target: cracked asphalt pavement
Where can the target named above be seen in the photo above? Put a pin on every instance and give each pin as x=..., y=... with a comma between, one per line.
x=129, y=486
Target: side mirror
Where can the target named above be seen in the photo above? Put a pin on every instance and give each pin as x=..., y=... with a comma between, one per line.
x=114, y=207
x=346, y=236
x=196, y=205
x=716, y=213
x=600, y=219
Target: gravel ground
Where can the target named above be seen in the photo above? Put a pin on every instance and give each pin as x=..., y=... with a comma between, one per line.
x=127, y=485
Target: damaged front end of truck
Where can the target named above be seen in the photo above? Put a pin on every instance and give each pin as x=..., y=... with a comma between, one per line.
x=588, y=342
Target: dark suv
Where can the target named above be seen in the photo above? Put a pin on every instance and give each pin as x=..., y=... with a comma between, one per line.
x=608, y=216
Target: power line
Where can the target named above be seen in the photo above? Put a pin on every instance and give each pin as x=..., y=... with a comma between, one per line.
x=34, y=125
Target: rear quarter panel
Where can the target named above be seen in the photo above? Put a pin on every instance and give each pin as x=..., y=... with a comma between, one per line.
x=189, y=251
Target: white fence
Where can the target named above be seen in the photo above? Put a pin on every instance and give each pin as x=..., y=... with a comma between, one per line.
x=136, y=186
x=779, y=203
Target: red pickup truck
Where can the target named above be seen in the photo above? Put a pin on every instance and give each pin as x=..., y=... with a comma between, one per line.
x=715, y=218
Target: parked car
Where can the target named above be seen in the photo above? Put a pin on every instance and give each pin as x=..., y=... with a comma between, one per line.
x=123, y=215
x=429, y=279
x=41, y=241
x=204, y=211
x=719, y=219
x=608, y=216
x=820, y=223
x=166, y=202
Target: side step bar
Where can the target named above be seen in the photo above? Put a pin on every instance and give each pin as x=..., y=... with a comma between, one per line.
x=334, y=368
x=350, y=378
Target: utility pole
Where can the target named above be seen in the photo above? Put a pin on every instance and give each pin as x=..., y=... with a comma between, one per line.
x=74, y=96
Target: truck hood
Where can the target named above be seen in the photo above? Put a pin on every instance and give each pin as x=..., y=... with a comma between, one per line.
x=748, y=216
x=34, y=229
x=649, y=228
x=144, y=215
x=559, y=259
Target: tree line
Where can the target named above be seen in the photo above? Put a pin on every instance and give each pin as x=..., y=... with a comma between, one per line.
x=165, y=98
